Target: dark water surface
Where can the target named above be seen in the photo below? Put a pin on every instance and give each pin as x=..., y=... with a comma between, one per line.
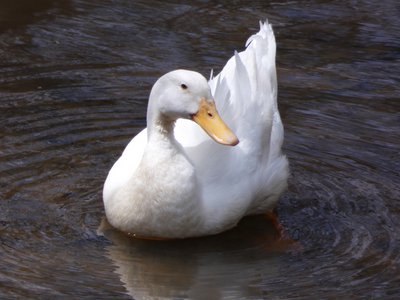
x=74, y=81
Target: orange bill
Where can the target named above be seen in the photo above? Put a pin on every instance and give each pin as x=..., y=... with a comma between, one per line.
x=208, y=119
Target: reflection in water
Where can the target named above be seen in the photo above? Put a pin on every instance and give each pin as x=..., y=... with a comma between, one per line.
x=198, y=268
x=74, y=81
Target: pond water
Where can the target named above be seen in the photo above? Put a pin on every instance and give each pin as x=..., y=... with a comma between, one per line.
x=74, y=80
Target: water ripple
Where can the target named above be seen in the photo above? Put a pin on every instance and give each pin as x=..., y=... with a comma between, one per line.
x=74, y=82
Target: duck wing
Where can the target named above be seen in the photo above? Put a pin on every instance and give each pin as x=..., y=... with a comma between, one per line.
x=247, y=178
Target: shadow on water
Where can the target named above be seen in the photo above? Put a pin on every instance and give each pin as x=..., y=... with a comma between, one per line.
x=199, y=268
x=74, y=80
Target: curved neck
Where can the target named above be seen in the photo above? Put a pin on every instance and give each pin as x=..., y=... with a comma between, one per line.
x=159, y=127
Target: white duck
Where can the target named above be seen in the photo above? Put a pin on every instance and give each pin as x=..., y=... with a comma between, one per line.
x=173, y=181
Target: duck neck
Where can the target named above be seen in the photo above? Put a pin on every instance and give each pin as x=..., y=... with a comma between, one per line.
x=160, y=129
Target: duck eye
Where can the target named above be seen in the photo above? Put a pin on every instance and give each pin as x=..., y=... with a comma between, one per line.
x=184, y=86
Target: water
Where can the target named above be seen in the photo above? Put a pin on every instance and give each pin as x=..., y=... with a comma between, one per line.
x=74, y=81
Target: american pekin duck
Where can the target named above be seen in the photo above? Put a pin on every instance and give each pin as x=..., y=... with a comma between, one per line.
x=189, y=173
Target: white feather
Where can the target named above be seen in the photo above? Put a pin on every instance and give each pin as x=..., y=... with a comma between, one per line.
x=232, y=181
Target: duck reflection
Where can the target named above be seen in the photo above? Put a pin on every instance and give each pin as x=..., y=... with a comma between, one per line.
x=232, y=264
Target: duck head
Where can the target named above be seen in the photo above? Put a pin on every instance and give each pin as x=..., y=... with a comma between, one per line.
x=186, y=94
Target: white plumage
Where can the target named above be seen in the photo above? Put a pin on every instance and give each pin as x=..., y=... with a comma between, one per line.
x=190, y=185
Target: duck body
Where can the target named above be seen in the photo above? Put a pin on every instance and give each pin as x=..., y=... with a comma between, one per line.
x=174, y=181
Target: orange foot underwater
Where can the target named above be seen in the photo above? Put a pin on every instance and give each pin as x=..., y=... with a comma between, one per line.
x=284, y=241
